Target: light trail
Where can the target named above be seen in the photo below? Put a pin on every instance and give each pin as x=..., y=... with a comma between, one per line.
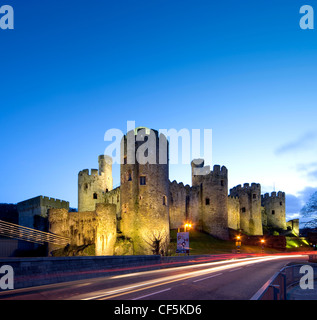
x=178, y=277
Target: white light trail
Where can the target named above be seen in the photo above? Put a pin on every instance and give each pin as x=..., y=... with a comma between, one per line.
x=226, y=265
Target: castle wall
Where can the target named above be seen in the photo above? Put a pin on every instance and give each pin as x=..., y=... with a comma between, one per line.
x=106, y=232
x=178, y=207
x=250, y=207
x=275, y=209
x=38, y=206
x=113, y=197
x=234, y=213
x=183, y=205
x=85, y=228
x=264, y=216
x=144, y=192
x=79, y=227
x=213, y=198
x=294, y=225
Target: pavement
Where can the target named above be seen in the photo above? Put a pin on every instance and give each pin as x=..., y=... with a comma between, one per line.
x=297, y=293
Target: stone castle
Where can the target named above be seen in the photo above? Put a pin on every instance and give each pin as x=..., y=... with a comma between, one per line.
x=136, y=217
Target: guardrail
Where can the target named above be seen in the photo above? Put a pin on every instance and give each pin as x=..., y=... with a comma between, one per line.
x=276, y=288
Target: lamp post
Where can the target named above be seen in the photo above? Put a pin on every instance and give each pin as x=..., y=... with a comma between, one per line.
x=238, y=243
x=187, y=225
x=262, y=245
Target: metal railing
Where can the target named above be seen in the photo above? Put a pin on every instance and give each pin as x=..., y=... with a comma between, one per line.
x=11, y=230
x=276, y=288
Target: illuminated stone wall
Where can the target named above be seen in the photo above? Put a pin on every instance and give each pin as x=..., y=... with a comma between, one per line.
x=293, y=225
x=250, y=207
x=106, y=231
x=274, y=205
x=234, y=213
x=144, y=192
x=213, y=198
x=85, y=228
x=183, y=206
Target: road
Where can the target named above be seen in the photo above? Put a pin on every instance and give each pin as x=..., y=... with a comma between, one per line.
x=234, y=279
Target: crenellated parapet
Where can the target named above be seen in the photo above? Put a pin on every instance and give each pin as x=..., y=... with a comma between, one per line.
x=280, y=195
x=201, y=173
x=246, y=188
x=54, y=203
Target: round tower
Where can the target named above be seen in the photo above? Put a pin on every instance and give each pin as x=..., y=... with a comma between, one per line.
x=144, y=190
x=94, y=184
x=250, y=207
x=275, y=209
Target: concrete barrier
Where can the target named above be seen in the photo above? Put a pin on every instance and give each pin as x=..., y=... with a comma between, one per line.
x=312, y=258
x=30, y=272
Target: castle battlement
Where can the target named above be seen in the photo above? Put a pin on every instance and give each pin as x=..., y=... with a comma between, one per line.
x=54, y=201
x=179, y=185
x=199, y=169
x=220, y=170
x=43, y=200
x=89, y=173
x=280, y=195
x=94, y=172
x=235, y=191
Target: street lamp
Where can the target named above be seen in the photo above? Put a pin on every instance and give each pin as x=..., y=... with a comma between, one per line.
x=238, y=243
x=262, y=245
x=187, y=225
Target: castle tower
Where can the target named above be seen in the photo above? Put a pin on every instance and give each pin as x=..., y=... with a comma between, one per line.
x=144, y=189
x=250, y=207
x=213, y=198
x=274, y=206
x=92, y=186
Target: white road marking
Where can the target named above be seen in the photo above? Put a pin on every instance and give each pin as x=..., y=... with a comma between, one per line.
x=235, y=269
x=151, y=294
x=215, y=275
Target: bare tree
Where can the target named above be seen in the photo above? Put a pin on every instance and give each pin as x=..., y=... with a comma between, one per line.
x=158, y=242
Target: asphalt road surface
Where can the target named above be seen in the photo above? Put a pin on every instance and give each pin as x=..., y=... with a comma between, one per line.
x=237, y=279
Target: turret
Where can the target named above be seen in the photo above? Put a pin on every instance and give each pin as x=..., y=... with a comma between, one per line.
x=213, y=197
x=250, y=207
x=274, y=206
x=92, y=186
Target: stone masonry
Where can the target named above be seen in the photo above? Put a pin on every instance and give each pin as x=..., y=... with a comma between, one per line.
x=136, y=217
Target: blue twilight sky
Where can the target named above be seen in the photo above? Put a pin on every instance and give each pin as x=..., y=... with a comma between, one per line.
x=71, y=70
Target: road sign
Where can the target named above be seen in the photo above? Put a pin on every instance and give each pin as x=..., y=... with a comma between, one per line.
x=182, y=242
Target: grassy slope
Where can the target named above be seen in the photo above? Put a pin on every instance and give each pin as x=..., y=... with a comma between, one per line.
x=201, y=243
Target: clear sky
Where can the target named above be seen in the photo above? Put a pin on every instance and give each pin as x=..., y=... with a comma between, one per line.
x=71, y=70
